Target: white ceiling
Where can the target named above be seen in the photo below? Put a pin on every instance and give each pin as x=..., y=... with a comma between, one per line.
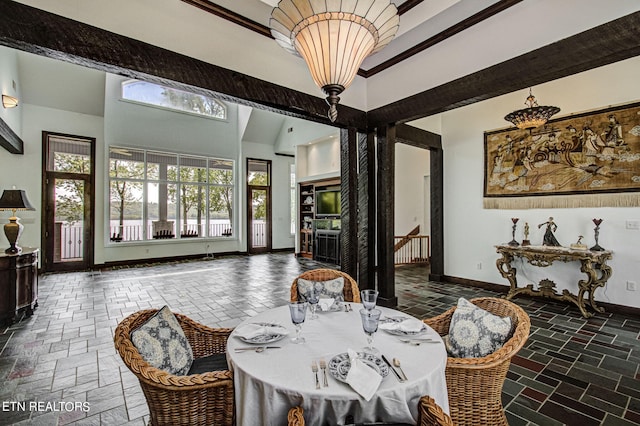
x=56, y=84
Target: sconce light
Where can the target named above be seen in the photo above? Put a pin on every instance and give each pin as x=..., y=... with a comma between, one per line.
x=9, y=101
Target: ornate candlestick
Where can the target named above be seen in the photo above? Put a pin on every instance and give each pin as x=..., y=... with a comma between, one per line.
x=596, y=230
x=513, y=241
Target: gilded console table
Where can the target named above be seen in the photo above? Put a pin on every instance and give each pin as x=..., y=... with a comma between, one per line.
x=593, y=264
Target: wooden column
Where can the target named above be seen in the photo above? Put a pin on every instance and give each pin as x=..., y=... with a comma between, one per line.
x=349, y=202
x=385, y=215
x=437, y=214
x=366, y=211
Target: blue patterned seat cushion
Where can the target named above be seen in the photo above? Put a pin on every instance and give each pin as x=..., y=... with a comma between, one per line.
x=474, y=332
x=327, y=289
x=163, y=344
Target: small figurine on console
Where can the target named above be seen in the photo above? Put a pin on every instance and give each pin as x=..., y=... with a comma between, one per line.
x=578, y=244
x=526, y=241
x=549, y=239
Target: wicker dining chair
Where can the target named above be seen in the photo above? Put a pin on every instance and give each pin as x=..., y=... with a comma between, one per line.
x=475, y=384
x=431, y=414
x=351, y=291
x=295, y=416
x=198, y=399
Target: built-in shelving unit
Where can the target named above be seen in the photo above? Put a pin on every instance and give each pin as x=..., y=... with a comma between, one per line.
x=307, y=213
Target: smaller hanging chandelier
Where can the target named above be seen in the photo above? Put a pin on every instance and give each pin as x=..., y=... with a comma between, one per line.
x=334, y=37
x=531, y=117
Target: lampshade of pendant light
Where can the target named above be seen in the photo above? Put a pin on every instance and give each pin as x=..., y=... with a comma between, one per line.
x=533, y=116
x=334, y=37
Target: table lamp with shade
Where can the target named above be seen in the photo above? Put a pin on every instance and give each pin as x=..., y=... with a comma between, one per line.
x=14, y=199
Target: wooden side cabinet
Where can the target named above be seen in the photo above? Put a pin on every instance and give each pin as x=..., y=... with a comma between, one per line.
x=18, y=284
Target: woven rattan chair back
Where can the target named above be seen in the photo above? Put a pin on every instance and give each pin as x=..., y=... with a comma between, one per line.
x=199, y=399
x=431, y=414
x=295, y=417
x=351, y=290
x=475, y=384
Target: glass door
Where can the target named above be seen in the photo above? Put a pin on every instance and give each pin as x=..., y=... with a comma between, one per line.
x=68, y=203
x=258, y=206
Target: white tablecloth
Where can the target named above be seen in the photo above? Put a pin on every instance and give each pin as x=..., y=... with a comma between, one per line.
x=268, y=384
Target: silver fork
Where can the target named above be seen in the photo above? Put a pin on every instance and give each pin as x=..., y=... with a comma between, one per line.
x=314, y=368
x=323, y=367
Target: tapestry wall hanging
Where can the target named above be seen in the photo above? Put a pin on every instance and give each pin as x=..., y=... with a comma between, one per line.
x=585, y=160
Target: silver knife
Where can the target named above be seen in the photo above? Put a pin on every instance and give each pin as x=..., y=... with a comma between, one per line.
x=253, y=348
x=384, y=358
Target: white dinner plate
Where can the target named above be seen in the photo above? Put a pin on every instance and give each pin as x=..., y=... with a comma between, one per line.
x=340, y=365
x=265, y=338
x=398, y=332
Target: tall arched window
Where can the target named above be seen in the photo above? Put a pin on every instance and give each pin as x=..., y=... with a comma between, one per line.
x=174, y=99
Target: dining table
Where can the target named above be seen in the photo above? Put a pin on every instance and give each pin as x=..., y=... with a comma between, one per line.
x=268, y=383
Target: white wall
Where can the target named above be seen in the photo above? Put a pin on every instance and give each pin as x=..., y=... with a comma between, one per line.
x=24, y=171
x=411, y=166
x=9, y=77
x=318, y=160
x=471, y=232
x=302, y=132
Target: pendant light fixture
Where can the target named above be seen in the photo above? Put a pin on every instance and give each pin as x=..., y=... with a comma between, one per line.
x=334, y=37
x=533, y=116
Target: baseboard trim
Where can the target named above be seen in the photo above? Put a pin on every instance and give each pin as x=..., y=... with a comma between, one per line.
x=608, y=307
x=137, y=262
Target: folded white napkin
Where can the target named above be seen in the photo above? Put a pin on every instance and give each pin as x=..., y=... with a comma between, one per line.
x=362, y=378
x=409, y=325
x=325, y=304
x=249, y=331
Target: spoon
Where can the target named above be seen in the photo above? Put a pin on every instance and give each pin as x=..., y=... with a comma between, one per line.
x=396, y=362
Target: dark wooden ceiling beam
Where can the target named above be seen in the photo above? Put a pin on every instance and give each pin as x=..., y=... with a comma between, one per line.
x=9, y=140
x=410, y=135
x=608, y=43
x=43, y=33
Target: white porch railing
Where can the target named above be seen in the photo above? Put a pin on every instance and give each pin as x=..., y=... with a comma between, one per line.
x=71, y=238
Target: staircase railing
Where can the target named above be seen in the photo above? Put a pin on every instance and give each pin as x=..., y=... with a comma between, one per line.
x=412, y=249
x=401, y=241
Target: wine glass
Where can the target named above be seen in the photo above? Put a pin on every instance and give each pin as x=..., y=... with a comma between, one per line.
x=370, y=321
x=369, y=298
x=313, y=297
x=298, y=311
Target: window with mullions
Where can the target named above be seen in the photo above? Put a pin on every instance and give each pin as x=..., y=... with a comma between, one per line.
x=174, y=99
x=158, y=195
